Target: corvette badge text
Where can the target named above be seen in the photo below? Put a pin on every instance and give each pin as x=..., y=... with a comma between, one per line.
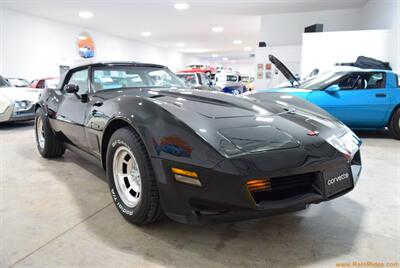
x=337, y=179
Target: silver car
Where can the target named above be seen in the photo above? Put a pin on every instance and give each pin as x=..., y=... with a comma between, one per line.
x=16, y=103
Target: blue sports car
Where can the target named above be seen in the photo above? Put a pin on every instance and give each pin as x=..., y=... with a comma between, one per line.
x=360, y=98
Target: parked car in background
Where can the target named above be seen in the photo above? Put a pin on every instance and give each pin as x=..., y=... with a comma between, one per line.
x=196, y=156
x=196, y=80
x=200, y=68
x=18, y=82
x=248, y=82
x=360, y=98
x=50, y=82
x=229, y=82
x=16, y=103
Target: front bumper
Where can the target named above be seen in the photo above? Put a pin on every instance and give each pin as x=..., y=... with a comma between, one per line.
x=224, y=195
x=10, y=114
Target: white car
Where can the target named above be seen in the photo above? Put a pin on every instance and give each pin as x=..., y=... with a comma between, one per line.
x=229, y=82
x=16, y=103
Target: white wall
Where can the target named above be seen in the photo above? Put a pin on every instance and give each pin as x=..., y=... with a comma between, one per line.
x=34, y=47
x=1, y=40
x=288, y=55
x=286, y=29
x=385, y=14
x=323, y=50
x=378, y=14
x=247, y=67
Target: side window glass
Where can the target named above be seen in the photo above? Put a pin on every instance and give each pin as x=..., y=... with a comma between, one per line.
x=349, y=82
x=80, y=78
x=199, y=78
x=203, y=79
x=353, y=81
x=398, y=80
x=376, y=80
x=40, y=84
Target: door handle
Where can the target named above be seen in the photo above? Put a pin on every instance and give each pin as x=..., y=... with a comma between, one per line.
x=380, y=95
x=98, y=103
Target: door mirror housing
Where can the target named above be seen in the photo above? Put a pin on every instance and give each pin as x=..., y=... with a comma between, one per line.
x=332, y=89
x=71, y=88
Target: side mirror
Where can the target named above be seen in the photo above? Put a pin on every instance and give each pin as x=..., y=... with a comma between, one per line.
x=71, y=88
x=332, y=89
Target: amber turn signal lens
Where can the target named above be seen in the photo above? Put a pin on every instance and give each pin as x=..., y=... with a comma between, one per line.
x=186, y=176
x=258, y=185
x=184, y=172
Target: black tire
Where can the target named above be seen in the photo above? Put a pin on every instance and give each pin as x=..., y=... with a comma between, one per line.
x=394, y=124
x=51, y=146
x=148, y=209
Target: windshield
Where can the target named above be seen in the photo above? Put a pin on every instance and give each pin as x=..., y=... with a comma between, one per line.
x=106, y=78
x=247, y=79
x=322, y=81
x=231, y=78
x=4, y=83
x=18, y=82
x=196, y=66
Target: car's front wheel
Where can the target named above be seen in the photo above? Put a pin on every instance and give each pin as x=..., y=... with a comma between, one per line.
x=394, y=124
x=47, y=143
x=131, y=178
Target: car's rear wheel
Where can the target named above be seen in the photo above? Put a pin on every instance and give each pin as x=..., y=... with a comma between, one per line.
x=47, y=143
x=131, y=178
x=394, y=124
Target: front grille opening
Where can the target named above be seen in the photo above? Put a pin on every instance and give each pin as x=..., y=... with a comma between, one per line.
x=286, y=187
x=203, y=208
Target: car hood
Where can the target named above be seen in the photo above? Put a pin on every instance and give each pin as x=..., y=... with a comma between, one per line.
x=256, y=122
x=285, y=90
x=284, y=70
x=298, y=92
x=20, y=93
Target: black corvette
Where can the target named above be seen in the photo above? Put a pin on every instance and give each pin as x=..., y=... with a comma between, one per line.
x=196, y=156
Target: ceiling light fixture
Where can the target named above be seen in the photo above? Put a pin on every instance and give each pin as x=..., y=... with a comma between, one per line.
x=180, y=44
x=146, y=34
x=85, y=14
x=237, y=42
x=247, y=49
x=214, y=55
x=225, y=59
x=217, y=29
x=233, y=61
x=181, y=6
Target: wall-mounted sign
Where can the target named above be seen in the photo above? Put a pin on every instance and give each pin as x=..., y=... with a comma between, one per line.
x=86, y=46
x=260, y=71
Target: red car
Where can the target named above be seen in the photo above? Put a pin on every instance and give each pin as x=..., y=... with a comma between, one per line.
x=200, y=68
x=49, y=82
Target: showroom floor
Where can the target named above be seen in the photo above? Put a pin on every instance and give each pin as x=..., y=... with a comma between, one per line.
x=59, y=213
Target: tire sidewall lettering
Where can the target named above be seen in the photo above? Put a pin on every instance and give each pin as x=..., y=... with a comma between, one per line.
x=120, y=205
x=117, y=200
